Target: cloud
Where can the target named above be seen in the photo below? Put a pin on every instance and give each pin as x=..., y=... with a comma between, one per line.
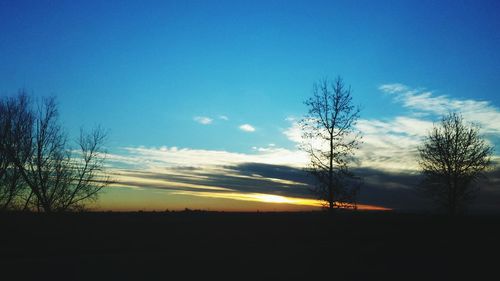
x=230, y=179
x=294, y=132
x=223, y=117
x=428, y=104
x=267, y=183
x=247, y=128
x=252, y=182
x=203, y=120
x=393, y=88
x=398, y=125
x=266, y=175
x=160, y=157
x=391, y=144
x=386, y=145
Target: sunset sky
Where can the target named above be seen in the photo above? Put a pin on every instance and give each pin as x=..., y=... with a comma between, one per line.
x=202, y=98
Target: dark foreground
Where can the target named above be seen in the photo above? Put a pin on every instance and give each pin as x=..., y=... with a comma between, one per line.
x=256, y=246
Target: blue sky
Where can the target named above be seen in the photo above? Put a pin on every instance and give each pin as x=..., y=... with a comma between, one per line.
x=150, y=70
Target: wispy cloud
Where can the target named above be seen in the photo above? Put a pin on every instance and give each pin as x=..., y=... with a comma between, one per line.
x=223, y=117
x=391, y=144
x=203, y=120
x=251, y=182
x=386, y=145
x=393, y=88
x=398, y=125
x=215, y=174
x=428, y=103
x=247, y=128
x=161, y=157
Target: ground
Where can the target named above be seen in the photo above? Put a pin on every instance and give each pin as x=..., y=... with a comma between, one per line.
x=252, y=246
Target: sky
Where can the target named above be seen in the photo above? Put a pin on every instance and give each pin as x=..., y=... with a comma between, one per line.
x=202, y=98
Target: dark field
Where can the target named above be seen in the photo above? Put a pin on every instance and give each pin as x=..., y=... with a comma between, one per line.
x=258, y=246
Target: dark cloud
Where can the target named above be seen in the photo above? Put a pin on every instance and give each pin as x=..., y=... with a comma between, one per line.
x=250, y=178
x=386, y=189
x=398, y=191
x=391, y=190
x=273, y=171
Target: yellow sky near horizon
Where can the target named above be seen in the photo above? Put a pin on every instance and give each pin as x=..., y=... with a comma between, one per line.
x=141, y=199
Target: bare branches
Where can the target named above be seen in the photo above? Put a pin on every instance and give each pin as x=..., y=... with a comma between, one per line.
x=89, y=174
x=453, y=157
x=15, y=123
x=329, y=127
x=36, y=148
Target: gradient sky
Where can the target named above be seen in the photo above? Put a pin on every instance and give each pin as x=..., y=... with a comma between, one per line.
x=194, y=91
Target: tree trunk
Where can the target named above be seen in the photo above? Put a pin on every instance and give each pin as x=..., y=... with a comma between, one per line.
x=330, y=175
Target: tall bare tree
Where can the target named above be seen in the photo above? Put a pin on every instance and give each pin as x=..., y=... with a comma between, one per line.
x=453, y=157
x=331, y=141
x=59, y=178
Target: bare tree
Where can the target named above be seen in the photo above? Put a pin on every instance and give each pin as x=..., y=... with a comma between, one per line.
x=331, y=140
x=6, y=192
x=59, y=178
x=453, y=157
x=87, y=176
x=15, y=121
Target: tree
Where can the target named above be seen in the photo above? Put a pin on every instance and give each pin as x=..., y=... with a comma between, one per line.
x=331, y=141
x=453, y=157
x=15, y=121
x=59, y=178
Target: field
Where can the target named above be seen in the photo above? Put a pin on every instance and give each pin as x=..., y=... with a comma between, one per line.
x=256, y=246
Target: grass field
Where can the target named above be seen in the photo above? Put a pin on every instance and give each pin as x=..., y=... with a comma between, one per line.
x=256, y=246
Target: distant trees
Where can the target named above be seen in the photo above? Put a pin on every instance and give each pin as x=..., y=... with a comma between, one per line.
x=38, y=166
x=331, y=140
x=452, y=159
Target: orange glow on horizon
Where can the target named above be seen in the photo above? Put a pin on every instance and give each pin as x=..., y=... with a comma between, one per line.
x=132, y=198
x=134, y=192
x=275, y=199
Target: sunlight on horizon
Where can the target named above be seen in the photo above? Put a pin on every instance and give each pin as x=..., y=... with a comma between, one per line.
x=131, y=198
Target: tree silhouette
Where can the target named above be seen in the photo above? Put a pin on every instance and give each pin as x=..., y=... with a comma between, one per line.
x=453, y=157
x=331, y=140
x=59, y=178
x=15, y=119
